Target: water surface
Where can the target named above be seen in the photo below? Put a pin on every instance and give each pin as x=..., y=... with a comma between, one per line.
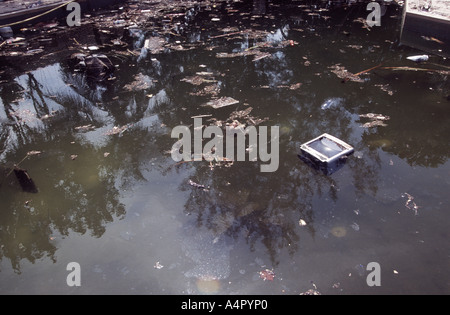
x=112, y=199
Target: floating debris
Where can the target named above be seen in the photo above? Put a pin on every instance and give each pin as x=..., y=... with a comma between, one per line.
x=385, y=88
x=30, y=153
x=363, y=22
x=85, y=128
x=344, y=74
x=410, y=204
x=98, y=66
x=32, y=52
x=433, y=39
x=376, y=120
x=420, y=58
x=73, y=156
x=197, y=80
x=311, y=291
x=357, y=47
x=222, y=102
x=117, y=130
x=196, y=185
x=237, y=54
x=261, y=55
x=213, y=90
x=158, y=265
x=374, y=116
x=141, y=82
x=294, y=86
x=376, y=123
x=332, y=102
x=267, y=274
x=154, y=45
x=240, y=114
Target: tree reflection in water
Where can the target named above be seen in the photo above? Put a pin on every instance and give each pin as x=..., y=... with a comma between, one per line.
x=84, y=195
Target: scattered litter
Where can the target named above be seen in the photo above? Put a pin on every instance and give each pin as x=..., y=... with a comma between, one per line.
x=85, y=128
x=326, y=153
x=196, y=185
x=240, y=114
x=410, y=204
x=332, y=102
x=141, y=82
x=344, y=74
x=420, y=58
x=260, y=56
x=374, y=116
x=158, y=265
x=236, y=54
x=357, y=47
x=433, y=39
x=117, y=130
x=32, y=52
x=212, y=90
x=311, y=292
x=222, y=102
x=98, y=66
x=73, y=156
x=154, y=45
x=30, y=153
x=385, y=88
x=267, y=274
x=377, y=120
x=294, y=86
x=197, y=80
x=375, y=123
x=302, y=222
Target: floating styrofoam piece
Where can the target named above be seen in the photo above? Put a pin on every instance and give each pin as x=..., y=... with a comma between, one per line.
x=418, y=58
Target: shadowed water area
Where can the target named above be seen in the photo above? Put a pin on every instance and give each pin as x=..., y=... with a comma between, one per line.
x=98, y=145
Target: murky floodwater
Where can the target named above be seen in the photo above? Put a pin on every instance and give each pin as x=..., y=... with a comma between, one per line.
x=112, y=199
